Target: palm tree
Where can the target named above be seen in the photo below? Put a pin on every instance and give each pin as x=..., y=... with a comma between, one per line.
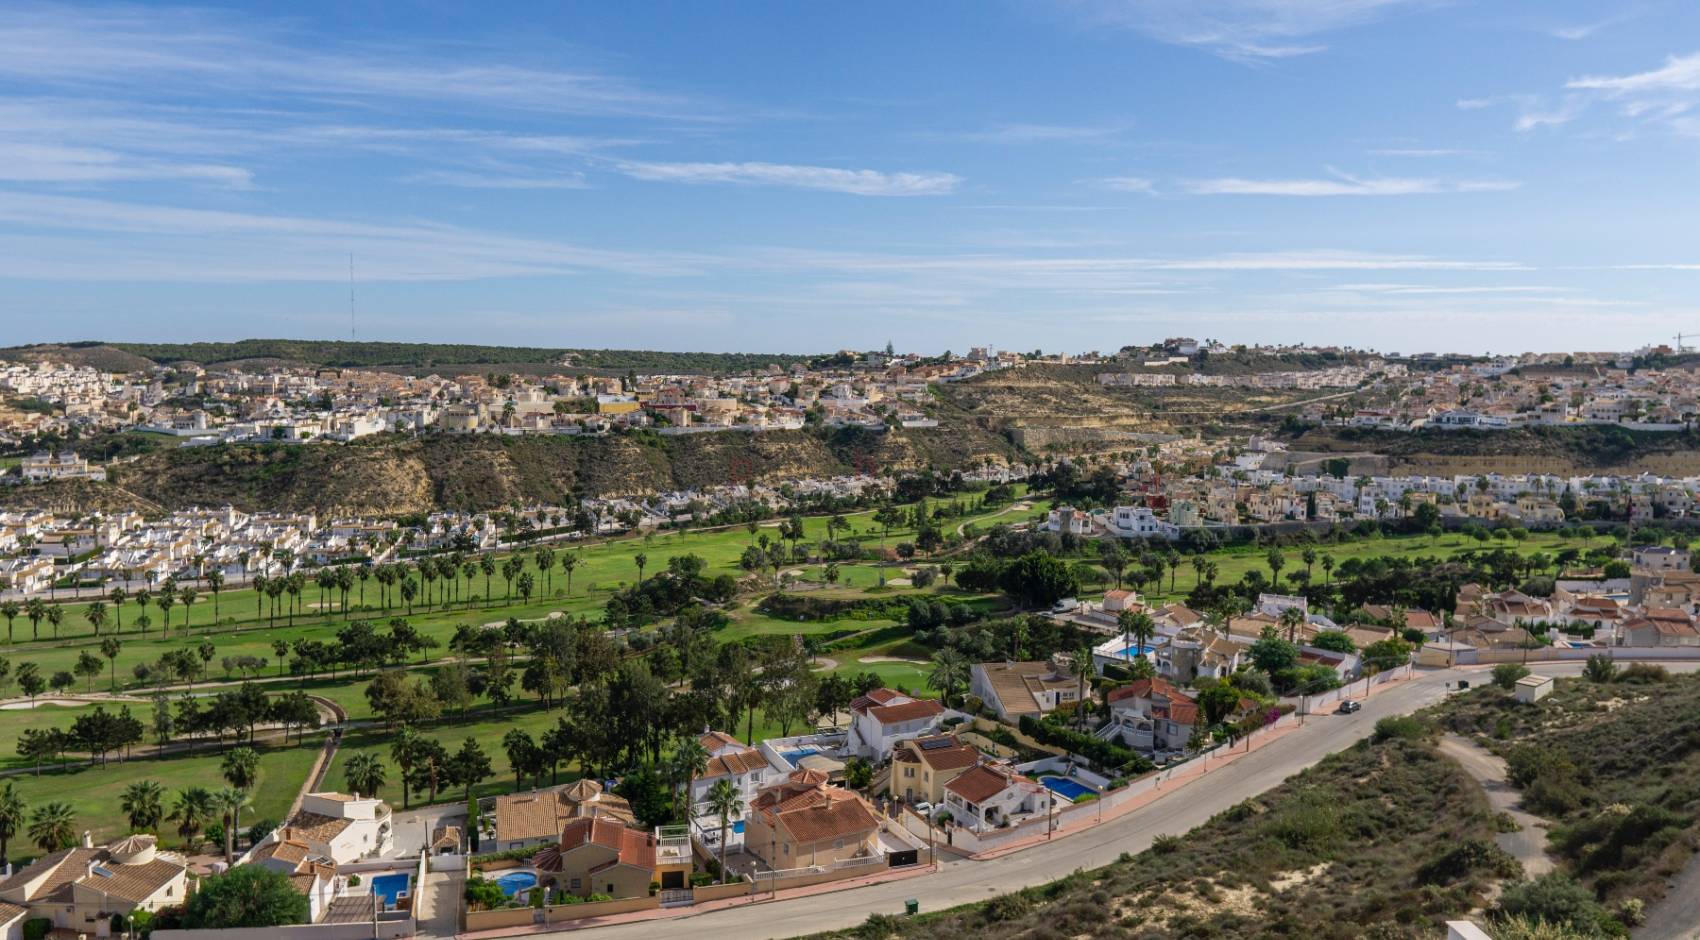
x=54, y=827
x=1082, y=657
x=404, y=750
x=568, y=563
x=141, y=802
x=950, y=670
x=641, y=560
x=118, y=596
x=10, y=610
x=13, y=812
x=227, y=803
x=215, y=580
x=35, y=609
x=1292, y=618
x=110, y=648
x=95, y=614
x=365, y=773
x=689, y=760
x=1139, y=626
x=190, y=811
x=723, y=801
x=1328, y=567
x=241, y=769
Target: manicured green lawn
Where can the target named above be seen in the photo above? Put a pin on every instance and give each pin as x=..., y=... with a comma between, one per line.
x=95, y=792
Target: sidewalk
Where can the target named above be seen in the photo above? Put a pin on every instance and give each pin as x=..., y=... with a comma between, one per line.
x=707, y=907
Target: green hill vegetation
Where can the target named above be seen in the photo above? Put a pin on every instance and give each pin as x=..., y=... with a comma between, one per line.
x=341, y=353
x=1613, y=759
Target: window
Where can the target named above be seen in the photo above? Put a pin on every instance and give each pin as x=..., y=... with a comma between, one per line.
x=575, y=884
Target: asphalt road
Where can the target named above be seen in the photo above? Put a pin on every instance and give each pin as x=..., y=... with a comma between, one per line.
x=961, y=881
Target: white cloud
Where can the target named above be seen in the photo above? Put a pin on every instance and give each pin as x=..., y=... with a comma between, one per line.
x=1245, y=30
x=53, y=163
x=466, y=180
x=1343, y=185
x=1127, y=184
x=833, y=179
x=114, y=240
x=1679, y=73
x=1037, y=133
x=208, y=53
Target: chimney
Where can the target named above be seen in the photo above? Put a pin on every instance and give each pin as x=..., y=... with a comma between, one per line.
x=88, y=839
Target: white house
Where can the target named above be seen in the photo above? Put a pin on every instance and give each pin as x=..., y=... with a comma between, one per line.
x=992, y=795
x=884, y=717
x=1151, y=714
x=340, y=827
x=1139, y=522
x=747, y=768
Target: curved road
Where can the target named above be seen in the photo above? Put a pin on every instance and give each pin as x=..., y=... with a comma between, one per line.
x=960, y=881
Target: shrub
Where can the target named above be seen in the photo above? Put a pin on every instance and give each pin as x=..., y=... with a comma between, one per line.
x=878, y=926
x=1505, y=675
x=1599, y=668
x=36, y=928
x=484, y=895
x=1556, y=898
x=1166, y=844
x=1472, y=855
x=1401, y=727
x=1644, y=673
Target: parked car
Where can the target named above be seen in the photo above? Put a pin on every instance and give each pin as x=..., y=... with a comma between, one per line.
x=1349, y=707
x=924, y=809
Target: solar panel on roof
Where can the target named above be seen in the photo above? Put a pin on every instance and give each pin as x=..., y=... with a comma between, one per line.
x=935, y=744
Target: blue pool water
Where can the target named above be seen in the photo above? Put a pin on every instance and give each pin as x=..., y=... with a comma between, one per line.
x=1069, y=790
x=514, y=882
x=1132, y=650
x=792, y=757
x=390, y=888
x=738, y=826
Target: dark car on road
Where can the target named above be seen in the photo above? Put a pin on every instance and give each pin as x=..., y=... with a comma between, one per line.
x=1349, y=707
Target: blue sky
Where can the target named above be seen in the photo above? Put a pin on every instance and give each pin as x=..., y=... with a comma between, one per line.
x=1074, y=174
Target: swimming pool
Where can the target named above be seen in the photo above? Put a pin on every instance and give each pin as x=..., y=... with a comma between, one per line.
x=513, y=882
x=391, y=888
x=1132, y=650
x=738, y=827
x=792, y=757
x=1070, y=790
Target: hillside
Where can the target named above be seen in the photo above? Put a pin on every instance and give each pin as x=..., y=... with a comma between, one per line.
x=1580, y=449
x=1051, y=407
x=445, y=356
x=1381, y=840
x=95, y=355
x=391, y=475
x=1614, y=764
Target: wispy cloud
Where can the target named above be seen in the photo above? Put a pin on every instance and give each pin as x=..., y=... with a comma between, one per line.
x=467, y=180
x=1020, y=133
x=1126, y=184
x=1341, y=184
x=1679, y=73
x=47, y=236
x=22, y=162
x=832, y=179
x=1430, y=289
x=1246, y=30
x=203, y=52
x=1424, y=152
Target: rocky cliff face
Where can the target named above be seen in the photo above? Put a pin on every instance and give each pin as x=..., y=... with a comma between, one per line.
x=399, y=476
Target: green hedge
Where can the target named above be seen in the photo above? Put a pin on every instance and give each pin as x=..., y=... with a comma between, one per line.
x=1102, y=753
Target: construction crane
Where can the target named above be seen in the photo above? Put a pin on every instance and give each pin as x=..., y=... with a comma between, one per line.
x=1681, y=348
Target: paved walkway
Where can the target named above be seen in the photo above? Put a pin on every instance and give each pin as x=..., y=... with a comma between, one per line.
x=1529, y=843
